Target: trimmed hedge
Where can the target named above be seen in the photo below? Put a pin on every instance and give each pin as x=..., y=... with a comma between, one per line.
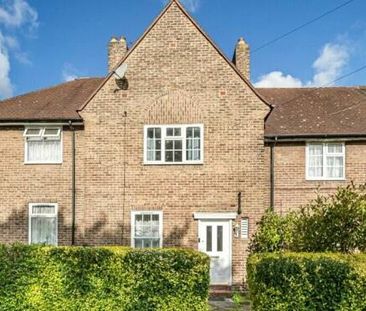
x=108, y=278
x=307, y=281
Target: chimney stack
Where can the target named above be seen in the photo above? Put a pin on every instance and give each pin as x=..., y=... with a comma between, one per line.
x=242, y=58
x=117, y=49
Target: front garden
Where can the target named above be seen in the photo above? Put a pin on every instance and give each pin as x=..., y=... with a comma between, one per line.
x=312, y=259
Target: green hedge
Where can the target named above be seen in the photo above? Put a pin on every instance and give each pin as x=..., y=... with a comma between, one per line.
x=85, y=278
x=307, y=281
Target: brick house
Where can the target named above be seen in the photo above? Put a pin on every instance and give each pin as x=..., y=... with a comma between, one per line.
x=174, y=147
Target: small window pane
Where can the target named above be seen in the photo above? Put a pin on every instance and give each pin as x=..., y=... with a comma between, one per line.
x=178, y=144
x=169, y=145
x=177, y=132
x=219, y=238
x=189, y=132
x=138, y=243
x=335, y=148
x=209, y=239
x=51, y=132
x=168, y=156
x=150, y=133
x=158, y=132
x=32, y=132
x=43, y=210
x=169, y=131
x=197, y=132
x=178, y=156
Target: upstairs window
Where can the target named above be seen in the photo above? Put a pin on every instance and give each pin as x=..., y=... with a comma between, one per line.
x=43, y=145
x=173, y=144
x=43, y=224
x=325, y=161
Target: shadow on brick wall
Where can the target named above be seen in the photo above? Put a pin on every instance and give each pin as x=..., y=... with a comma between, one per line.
x=16, y=229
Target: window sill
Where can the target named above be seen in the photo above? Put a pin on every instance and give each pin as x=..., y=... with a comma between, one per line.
x=172, y=164
x=42, y=163
x=326, y=179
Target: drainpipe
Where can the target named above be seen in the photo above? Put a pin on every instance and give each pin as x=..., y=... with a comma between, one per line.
x=73, y=184
x=272, y=174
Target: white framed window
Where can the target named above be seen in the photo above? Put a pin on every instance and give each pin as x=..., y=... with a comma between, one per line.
x=173, y=144
x=147, y=229
x=325, y=161
x=43, y=145
x=43, y=223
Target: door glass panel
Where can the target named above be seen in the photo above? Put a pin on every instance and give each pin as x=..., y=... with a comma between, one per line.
x=209, y=239
x=219, y=238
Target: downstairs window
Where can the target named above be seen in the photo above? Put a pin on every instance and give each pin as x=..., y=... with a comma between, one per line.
x=43, y=224
x=147, y=229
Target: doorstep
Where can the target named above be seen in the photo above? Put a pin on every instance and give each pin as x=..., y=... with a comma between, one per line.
x=220, y=291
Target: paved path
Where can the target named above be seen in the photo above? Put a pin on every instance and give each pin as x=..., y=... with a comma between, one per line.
x=227, y=305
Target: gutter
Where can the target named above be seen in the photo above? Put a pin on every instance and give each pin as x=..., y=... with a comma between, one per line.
x=40, y=123
x=303, y=138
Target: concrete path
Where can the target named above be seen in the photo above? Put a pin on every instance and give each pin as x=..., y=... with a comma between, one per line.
x=227, y=305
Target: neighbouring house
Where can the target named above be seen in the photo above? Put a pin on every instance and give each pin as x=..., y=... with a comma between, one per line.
x=174, y=147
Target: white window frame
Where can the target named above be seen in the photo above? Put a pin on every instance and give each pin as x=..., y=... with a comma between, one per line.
x=184, y=144
x=42, y=128
x=134, y=213
x=325, y=154
x=30, y=215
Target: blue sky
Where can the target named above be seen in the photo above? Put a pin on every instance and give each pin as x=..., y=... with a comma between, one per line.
x=43, y=43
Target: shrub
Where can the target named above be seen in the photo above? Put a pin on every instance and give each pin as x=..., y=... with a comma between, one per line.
x=333, y=223
x=311, y=282
x=274, y=233
x=110, y=278
x=336, y=223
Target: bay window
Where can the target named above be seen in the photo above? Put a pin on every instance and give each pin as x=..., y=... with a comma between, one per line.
x=173, y=144
x=325, y=161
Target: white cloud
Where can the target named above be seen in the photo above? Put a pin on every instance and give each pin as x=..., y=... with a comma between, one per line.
x=69, y=73
x=278, y=79
x=17, y=13
x=327, y=67
x=191, y=5
x=6, y=88
x=330, y=64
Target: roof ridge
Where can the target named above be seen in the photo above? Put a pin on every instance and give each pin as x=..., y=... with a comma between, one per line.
x=356, y=87
x=47, y=88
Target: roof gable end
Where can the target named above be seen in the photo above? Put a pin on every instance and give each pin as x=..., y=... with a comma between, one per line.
x=149, y=29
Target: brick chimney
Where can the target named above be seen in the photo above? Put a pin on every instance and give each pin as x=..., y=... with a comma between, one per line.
x=242, y=58
x=117, y=48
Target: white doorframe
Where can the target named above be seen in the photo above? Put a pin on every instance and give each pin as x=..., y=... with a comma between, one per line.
x=225, y=217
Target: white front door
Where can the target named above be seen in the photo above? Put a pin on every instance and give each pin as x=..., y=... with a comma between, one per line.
x=215, y=240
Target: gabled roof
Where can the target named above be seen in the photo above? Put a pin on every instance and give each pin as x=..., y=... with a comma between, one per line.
x=184, y=11
x=302, y=112
x=57, y=103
